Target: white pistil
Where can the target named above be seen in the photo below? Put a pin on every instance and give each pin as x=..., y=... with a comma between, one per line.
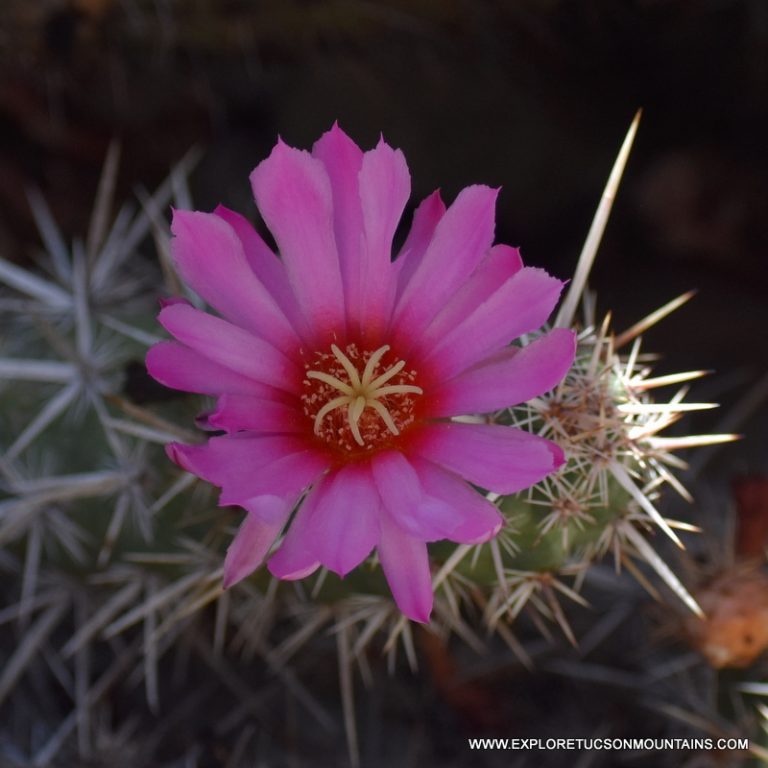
x=332, y=405
x=331, y=381
x=386, y=417
x=362, y=392
x=397, y=389
x=354, y=376
x=385, y=377
x=373, y=361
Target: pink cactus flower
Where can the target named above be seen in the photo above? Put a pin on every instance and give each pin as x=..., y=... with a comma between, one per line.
x=337, y=369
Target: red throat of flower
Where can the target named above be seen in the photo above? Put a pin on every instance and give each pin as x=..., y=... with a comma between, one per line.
x=359, y=401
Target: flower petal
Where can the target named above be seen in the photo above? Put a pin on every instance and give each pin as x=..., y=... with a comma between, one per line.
x=286, y=477
x=245, y=467
x=293, y=193
x=405, y=501
x=480, y=520
x=229, y=346
x=498, y=458
x=254, y=538
x=501, y=263
x=512, y=377
x=266, y=266
x=343, y=159
x=462, y=237
x=296, y=556
x=237, y=412
x=519, y=306
x=385, y=186
x=344, y=526
x=425, y=219
x=224, y=459
x=180, y=367
x=210, y=259
x=405, y=562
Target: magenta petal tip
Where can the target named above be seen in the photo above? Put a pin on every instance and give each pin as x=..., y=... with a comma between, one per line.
x=558, y=455
x=289, y=575
x=265, y=519
x=230, y=579
x=174, y=452
x=418, y=612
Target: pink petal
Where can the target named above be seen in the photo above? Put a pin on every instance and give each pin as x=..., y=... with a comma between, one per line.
x=405, y=562
x=425, y=219
x=462, y=237
x=343, y=159
x=252, y=542
x=293, y=193
x=479, y=519
x=296, y=556
x=512, y=377
x=237, y=412
x=224, y=459
x=385, y=186
x=519, y=306
x=417, y=513
x=180, y=367
x=210, y=259
x=344, y=526
x=229, y=346
x=266, y=266
x=287, y=476
x=498, y=458
x=245, y=467
x=501, y=263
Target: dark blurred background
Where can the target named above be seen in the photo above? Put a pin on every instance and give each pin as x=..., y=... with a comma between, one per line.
x=533, y=95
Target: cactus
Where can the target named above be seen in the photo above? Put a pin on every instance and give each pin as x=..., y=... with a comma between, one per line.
x=114, y=554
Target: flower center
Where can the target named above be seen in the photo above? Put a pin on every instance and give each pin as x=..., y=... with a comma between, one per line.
x=357, y=400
